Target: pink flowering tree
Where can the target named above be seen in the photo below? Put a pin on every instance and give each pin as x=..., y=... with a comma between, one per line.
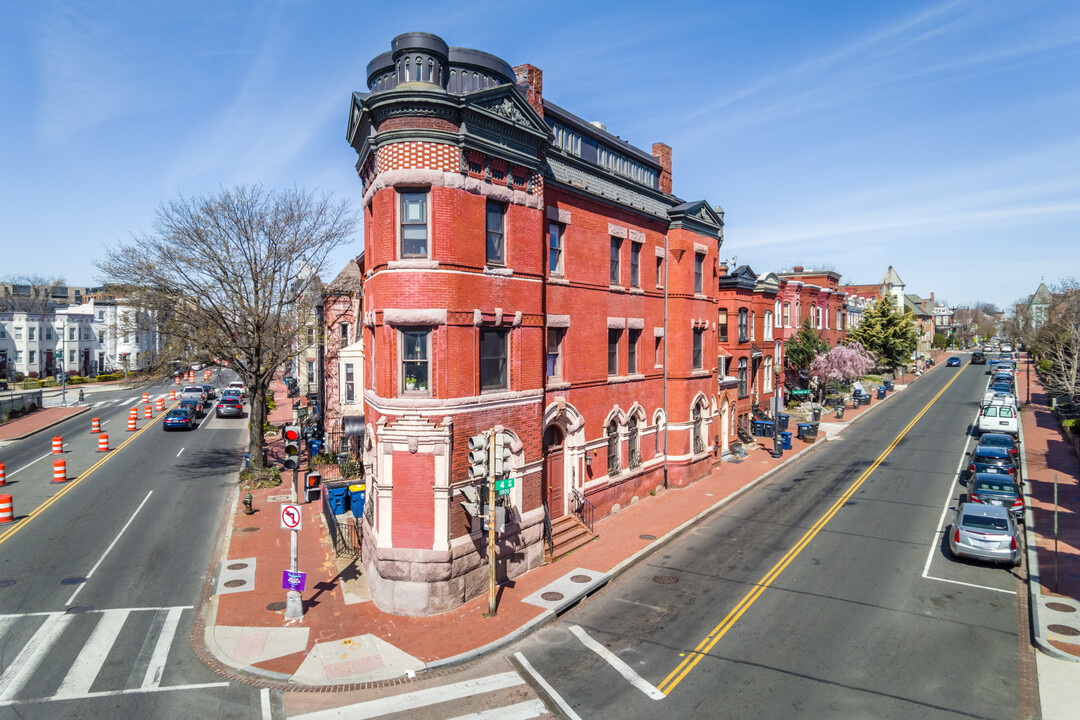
x=842, y=363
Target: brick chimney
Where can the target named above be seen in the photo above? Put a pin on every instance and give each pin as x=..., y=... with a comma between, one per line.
x=797, y=268
x=662, y=153
x=532, y=77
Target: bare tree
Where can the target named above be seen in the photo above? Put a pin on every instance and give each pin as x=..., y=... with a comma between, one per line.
x=227, y=276
x=31, y=293
x=1058, y=341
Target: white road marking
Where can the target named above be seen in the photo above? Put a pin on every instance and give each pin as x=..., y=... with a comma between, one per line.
x=87, y=666
x=13, y=472
x=109, y=549
x=152, y=679
x=941, y=529
x=264, y=700
x=26, y=662
x=114, y=693
x=181, y=450
x=520, y=711
x=418, y=698
x=644, y=605
x=614, y=661
x=566, y=709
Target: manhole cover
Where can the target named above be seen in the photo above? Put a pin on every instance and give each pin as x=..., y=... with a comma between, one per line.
x=1063, y=630
x=276, y=606
x=79, y=609
x=7, y=583
x=1060, y=607
x=248, y=529
x=665, y=579
x=647, y=537
x=73, y=581
x=278, y=498
x=236, y=566
x=551, y=596
x=580, y=578
x=235, y=583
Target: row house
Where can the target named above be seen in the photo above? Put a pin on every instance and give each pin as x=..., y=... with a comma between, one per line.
x=816, y=295
x=341, y=393
x=526, y=270
x=40, y=345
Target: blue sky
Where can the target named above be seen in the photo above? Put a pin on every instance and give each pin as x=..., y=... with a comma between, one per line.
x=942, y=138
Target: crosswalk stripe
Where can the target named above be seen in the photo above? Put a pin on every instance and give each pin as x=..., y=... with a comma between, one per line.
x=86, y=667
x=418, y=698
x=520, y=711
x=152, y=679
x=26, y=662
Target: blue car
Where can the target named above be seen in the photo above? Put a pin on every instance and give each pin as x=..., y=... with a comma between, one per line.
x=952, y=362
x=179, y=419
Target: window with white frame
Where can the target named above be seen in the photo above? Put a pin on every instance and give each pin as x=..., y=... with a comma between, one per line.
x=555, y=249
x=348, y=384
x=777, y=310
x=744, y=319
x=33, y=357
x=721, y=369
x=633, y=443
x=415, y=352
x=311, y=371
x=496, y=233
x=767, y=326
x=71, y=357
x=344, y=333
x=777, y=352
x=766, y=383
x=31, y=333
x=554, y=353
x=414, y=224
x=71, y=334
x=753, y=323
x=787, y=314
x=744, y=377
x=493, y=354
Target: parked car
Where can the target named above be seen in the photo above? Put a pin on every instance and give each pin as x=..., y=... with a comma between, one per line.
x=193, y=404
x=997, y=489
x=194, y=391
x=237, y=385
x=985, y=532
x=1000, y=440
x=231, y=406
x=989, y=459
x=978, y=358
x=180, y=418
x=1000, y=418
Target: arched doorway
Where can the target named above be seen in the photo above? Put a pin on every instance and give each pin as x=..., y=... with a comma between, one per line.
x=554, y=471
x=725, y=427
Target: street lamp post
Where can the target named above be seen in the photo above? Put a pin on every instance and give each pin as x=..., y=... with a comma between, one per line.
x=63, y=370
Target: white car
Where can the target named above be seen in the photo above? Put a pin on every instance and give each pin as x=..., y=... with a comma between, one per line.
x=1000, y=416
x=237, y=385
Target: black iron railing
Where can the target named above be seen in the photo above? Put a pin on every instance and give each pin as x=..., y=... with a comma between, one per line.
x=548, y=531
x=584, y=510
x=345, y=534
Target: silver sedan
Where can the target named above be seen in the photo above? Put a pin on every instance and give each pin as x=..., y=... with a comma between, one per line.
x=985, y=532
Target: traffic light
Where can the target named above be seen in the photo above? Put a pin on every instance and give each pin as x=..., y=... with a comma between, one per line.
x=502, y=455
x=478, y=456
x=291, y=434
x=311, y=486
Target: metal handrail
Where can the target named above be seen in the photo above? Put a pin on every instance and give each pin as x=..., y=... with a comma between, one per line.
x=585, y=510
x=548, y=530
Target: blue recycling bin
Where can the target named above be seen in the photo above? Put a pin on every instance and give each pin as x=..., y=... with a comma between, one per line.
x=356, y=499
x=338, y=497
x=755, y=428
x=784, y=421
x=889, y=385
x=767, y=428
x=881, y=393
x=785, y=440
x=803, y=429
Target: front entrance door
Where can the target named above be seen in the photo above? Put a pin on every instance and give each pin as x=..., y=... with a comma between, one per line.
x=725, y=427
x=553, y=471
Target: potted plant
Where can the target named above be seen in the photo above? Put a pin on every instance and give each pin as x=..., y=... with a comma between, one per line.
x=410, y=382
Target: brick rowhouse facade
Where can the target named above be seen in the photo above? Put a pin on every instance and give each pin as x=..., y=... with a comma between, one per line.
x=343, y=359
x=523, y=269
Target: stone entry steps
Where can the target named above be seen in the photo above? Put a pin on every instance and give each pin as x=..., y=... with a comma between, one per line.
x=568, y=534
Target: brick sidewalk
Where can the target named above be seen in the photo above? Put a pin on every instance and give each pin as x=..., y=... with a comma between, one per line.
x=37, y=421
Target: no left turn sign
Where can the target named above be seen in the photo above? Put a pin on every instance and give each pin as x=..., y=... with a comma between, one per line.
x=290, y=517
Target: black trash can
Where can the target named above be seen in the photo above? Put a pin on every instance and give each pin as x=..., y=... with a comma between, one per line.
x=815, y=415
x=881, y=392
x=784, y=421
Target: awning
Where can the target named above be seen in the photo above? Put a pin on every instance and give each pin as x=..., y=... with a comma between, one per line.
x=755, y=352
x=353, y=426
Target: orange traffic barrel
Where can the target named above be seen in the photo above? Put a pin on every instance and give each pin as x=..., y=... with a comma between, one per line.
x=3, y=475
x=103, y=443
x=57, y=445
x=7, y=509
x=134, y=413
x=172, y=395
x=146, y=397
x=131, y=424
x=160, y=404
x=176, y=380
x=148, y=412
x=95, y=425
x=59, y=471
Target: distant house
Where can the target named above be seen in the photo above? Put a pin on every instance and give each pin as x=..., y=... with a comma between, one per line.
x=343, y=359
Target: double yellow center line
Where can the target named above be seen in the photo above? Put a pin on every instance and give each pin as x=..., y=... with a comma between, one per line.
x=693, y=658
x=70, y=485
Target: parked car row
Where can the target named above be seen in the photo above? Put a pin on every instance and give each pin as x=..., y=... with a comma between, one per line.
x=987, y=525
x=193, y=403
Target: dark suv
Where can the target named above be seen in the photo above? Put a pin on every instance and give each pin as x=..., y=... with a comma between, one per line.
x=978, y=358
x=991, y=459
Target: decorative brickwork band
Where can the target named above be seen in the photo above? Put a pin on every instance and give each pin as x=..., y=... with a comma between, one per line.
x=420, y=316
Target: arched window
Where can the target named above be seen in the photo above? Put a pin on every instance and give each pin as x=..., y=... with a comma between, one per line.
x=613, y=464
x=553, y=438
x=743, y=378
x=634, y=444
x=699, y=430
x=777, y=352
x=776, y=313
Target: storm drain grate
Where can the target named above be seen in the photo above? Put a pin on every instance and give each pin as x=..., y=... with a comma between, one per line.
x=236, y=566
x=1063, y=630
x=665, y=579
x=79, y=609
x=276, y=606
x=647, y=537
x=580, y=578
x=249, y=529
x=73, y=581
x=235, y=583
x=552, y=596
x=7, y=583
x=1060, y=607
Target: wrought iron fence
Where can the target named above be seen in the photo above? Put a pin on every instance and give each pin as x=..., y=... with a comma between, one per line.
x=344, y=533
x=18, y=401
x=549, y=532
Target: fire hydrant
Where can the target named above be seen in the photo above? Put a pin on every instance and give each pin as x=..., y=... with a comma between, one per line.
x=248, y=510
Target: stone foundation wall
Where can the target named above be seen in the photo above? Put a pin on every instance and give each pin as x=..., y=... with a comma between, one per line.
x=427, y=582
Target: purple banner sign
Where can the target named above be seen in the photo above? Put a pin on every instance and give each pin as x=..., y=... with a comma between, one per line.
x=293, y=580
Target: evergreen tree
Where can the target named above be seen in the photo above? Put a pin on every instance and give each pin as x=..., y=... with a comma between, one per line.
x=887, y=333
x=807, y=344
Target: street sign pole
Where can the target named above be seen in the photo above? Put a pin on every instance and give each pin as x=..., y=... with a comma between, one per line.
x=491, y=522
x=294, y=603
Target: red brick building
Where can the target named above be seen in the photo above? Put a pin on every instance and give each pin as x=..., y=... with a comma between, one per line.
x=342, y=347
x=523, y=269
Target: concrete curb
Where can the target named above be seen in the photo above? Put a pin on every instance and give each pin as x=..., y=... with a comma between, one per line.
x=1034, y=579
x=46, y=427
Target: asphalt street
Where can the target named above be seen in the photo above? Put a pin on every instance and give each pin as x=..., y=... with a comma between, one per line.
x=98, y=587
x=826, y=592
